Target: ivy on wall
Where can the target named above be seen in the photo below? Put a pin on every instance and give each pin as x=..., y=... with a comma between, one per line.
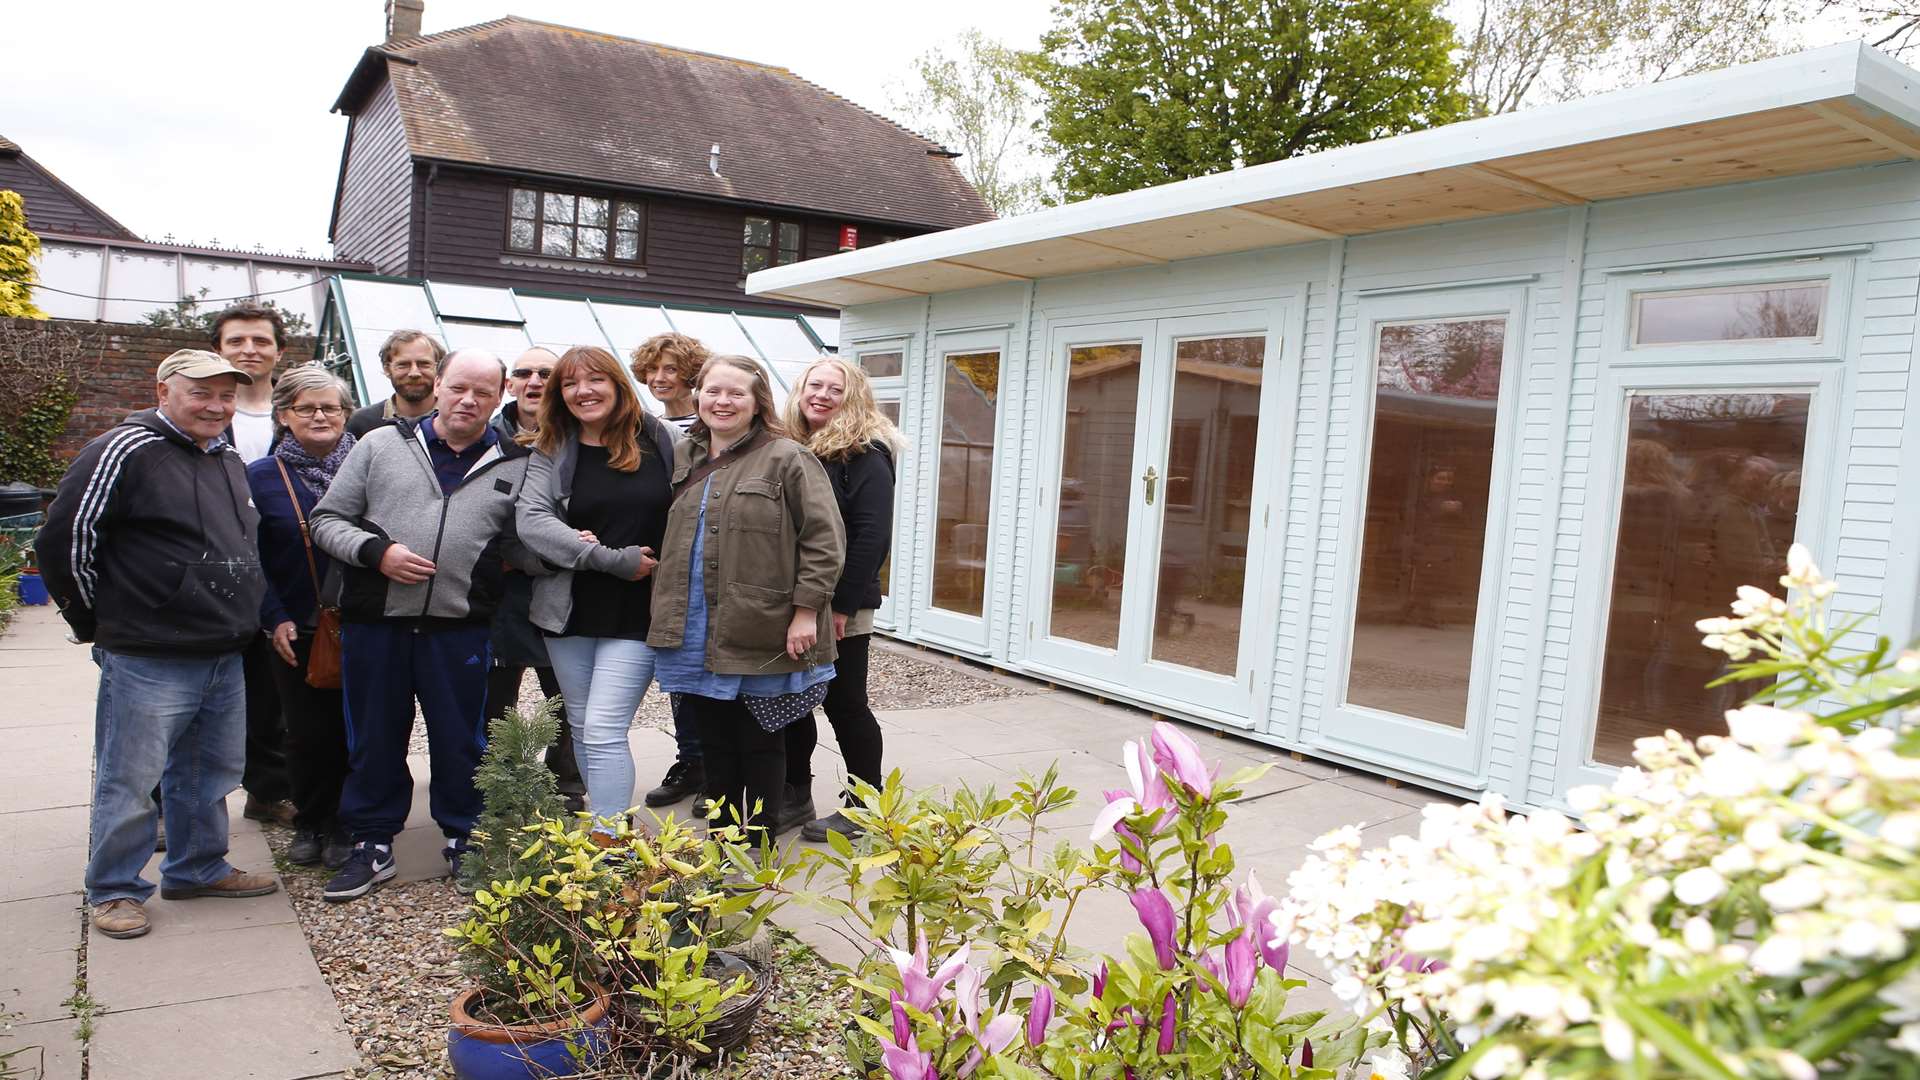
x=41, y=368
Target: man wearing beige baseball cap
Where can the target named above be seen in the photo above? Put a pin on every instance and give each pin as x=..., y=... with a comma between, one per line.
x=149, y=550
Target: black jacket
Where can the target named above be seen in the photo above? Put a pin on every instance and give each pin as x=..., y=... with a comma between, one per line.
x=149, y=544
x=863, y=486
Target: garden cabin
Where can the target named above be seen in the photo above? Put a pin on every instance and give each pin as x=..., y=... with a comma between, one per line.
x=1422, y=455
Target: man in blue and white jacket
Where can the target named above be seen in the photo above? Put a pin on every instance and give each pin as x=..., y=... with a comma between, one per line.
x=420, y=516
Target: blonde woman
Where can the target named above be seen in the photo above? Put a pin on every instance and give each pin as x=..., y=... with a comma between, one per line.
x=834, y=415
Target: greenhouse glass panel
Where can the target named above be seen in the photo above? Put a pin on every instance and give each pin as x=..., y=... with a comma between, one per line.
x=72, y=270
x=386, y=306
x=214, y=283
x=627, y=325
x=152, y=282
x=825, y=328
x=561, y=324
x=780, y=338
x=474, y=302
x=715, y=329
x=283, y=288
x=506, y=342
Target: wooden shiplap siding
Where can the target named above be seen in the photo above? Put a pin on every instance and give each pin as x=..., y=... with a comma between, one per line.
x=376, y=189
x=1557, y=479
x=51, y=207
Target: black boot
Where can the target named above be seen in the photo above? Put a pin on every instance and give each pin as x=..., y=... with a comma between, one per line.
x=796, y=811
x=305, y=849
x=683, y=779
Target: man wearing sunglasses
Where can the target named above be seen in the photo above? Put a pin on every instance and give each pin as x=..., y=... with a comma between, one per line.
x=517, y=644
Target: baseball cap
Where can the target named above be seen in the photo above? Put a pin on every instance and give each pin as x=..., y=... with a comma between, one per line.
x=198, y=364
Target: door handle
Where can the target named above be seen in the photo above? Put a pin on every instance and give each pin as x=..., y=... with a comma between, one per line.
x=1152, y=478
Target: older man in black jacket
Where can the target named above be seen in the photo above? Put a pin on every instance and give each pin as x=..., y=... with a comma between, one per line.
x=149, y=550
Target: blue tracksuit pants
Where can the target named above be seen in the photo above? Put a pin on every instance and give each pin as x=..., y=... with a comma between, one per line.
x=384, y=667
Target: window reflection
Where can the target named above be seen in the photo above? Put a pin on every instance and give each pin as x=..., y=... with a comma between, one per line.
x=968, y=418
x=1436, y=394
x=1096, y=486
x=1740, y=313
x=1208, y=503
x=881, y=365
x=1709, y=502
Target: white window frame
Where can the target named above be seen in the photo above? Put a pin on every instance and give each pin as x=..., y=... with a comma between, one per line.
x=1625, y=288
x=889, y=616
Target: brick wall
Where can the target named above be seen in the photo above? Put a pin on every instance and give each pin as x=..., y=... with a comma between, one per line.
x=122, y=359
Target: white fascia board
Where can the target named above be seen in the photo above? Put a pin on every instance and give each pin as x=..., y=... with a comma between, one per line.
x=1801, y=78
x=1888, y=85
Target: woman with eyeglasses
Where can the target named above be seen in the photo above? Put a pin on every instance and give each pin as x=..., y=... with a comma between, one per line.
x=310, y=441
x=594, y=507
x=742, y=616
x=834, y=414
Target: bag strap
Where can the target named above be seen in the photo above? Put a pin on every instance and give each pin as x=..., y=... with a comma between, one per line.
x=712, y=464
x=306, y=535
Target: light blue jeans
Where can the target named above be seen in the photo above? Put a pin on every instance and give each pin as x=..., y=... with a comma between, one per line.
x=180, y=722
x=602, y=681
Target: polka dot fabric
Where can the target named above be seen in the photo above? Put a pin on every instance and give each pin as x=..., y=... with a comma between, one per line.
x=774, y=713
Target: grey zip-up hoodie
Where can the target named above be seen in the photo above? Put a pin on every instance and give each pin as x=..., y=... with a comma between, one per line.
x=387, y=493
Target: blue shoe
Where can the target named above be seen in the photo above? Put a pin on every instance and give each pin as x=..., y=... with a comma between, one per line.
x=369, y=865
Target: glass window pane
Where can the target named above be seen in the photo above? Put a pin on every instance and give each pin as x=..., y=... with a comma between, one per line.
x=1096, y=492
x=969, y=416
x=759, y=232
x=564, y=323
x=525, y=203
x=1431, y=472
x=593, y=211
x=304, y=302
x=215, y=278
x=593, y=243
x=1743, y=313
x=506, y=342
x=627, y=216
x=72, y=269
x=556, y=240
x=520, y=235
x=474, y=302
x=715, y=329
x=149, y=282
x=882, y=365
x=1208, y=510
x=784, y=257
x=826, y=328
x=386, y=306
x=1709, y=502
x=626, y=245
x=753, y=258
x=780, y=339
x=789, y=236
x=559, y=207
x=630, y=324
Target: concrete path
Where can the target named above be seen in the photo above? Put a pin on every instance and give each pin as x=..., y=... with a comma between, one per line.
x=220, y=988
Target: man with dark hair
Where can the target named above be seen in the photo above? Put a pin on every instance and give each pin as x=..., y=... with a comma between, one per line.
x=411, y=361
x=251, y=336
x=149, y=550
x=421, y=518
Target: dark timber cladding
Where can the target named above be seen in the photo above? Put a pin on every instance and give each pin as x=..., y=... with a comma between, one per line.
x=441, y=132
x=52, y=206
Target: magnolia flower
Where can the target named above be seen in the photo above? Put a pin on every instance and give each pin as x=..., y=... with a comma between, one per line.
x=918, y=988
x=1243, y=962
x=902, y=1029
x=1169, y=1018
x=1255, y=910
x=1149, y=794
x=1039, y=1012
x=1100, y=980
x=1697, y=886
x=906, y=1062
x=966, y=996
x=1180, y=759
x=1306, y=1053
x=998, y=1036
x=1156, y=914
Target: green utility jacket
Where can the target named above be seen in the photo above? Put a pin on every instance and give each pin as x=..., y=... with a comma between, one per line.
x=774, y=542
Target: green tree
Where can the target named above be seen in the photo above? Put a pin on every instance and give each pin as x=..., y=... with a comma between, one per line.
x=978, y=101
x=18, y=248
x=1143, y=92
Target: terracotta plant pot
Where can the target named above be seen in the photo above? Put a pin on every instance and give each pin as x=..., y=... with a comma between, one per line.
x=483, y=1051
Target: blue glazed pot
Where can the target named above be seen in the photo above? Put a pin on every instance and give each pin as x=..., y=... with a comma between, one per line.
x=33, y=591
x=483, y=1051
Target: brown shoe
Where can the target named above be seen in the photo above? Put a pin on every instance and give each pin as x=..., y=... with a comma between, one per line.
x=121, y=919
x=273, y=813
x=237, y=884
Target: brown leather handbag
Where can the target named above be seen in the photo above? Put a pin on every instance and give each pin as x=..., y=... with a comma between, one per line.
x=323, y=659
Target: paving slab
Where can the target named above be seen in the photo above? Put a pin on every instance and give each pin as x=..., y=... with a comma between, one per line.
x=35, y=986
x=417, y=855
x=169, y=969
x=41, y=924
x=47, y=1051
x=49, y=872
x=197, y=1040
x=31, y=831
x=54, y=785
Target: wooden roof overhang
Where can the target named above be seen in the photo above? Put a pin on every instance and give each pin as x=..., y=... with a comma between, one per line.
x=1831, y=108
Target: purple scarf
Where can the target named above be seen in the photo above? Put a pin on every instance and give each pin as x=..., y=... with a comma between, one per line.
x=316, y=473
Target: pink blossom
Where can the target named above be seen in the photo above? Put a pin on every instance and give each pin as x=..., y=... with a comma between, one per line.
x=998, y=1036
x=1149, y=793
x=1168, y=1020
x=918, y=988
x=1156, y=914
x=907, y=1062
x=1254, y=909
x=902, y=1029
x=1243, y=962
x=1039, y=1012
x=1179, y=758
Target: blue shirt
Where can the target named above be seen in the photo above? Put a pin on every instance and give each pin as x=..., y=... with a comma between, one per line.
x=683, y=670
x=450, y=465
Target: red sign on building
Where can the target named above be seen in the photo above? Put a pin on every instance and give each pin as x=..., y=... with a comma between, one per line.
x=849, y=237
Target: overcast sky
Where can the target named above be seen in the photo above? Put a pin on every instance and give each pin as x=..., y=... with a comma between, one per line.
x=208, y=119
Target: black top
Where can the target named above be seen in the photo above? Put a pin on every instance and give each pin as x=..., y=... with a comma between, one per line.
x=863, y=486
x=621, y=509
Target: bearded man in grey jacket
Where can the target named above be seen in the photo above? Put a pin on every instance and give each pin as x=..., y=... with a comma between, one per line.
x=420, y=517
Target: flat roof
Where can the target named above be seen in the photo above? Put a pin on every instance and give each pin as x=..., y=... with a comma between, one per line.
x=1832, y=108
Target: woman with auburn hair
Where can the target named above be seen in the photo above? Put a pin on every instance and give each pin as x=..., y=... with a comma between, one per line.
x=594, y=506
x=834, y=415
x=741, y=620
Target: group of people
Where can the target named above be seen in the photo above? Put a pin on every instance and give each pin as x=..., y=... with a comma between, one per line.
x=482, y=520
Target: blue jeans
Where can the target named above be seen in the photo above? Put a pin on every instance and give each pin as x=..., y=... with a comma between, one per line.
x=603, y=681
x=179, y=722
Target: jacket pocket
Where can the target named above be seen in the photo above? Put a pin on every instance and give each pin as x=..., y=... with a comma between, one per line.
x=757, y=506
x=217, y=598
x=754, y=618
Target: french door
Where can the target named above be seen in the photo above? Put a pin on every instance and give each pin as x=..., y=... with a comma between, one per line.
x=1147, y=572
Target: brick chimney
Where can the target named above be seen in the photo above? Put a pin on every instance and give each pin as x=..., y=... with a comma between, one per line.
x=403, y=18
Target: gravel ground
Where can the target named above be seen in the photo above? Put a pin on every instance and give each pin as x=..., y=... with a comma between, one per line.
x=393, y=972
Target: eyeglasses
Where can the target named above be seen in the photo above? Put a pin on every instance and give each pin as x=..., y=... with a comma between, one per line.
x=305, y=412
x=530, y=372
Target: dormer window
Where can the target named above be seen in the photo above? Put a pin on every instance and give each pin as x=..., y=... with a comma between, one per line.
x=573, y=226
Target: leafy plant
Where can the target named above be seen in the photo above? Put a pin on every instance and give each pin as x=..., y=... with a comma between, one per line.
x=19, y=248
x=42, y=367
x=185, y=314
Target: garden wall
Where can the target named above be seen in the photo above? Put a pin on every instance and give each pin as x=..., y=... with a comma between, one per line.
x=119, y=361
